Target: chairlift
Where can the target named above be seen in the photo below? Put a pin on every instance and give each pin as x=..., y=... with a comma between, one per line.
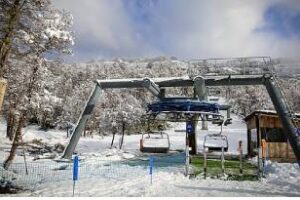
x=215, y=142
x=218, y=121
x=228, y=121
x=155, y=142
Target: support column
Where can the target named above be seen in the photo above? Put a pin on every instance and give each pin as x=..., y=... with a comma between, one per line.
x=201, y=91
x=192, y=137
x=204, y=123
x=249, y=142
x=284, y=116
x=82, y=122
x=228, y=112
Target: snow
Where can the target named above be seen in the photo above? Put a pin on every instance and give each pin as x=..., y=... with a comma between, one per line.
x=274, y=112
x=102, y=173
x=165, y=183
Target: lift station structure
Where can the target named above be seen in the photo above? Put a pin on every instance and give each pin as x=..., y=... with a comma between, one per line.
x=199, y=83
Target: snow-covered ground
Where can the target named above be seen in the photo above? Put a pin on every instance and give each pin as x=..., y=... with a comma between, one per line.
x=100, y=179
x=285, y=182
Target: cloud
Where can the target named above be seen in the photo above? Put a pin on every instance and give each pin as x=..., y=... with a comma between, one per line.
x=102, y=29
x=185, y=29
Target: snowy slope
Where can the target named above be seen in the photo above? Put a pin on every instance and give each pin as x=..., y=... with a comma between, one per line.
x=282, y=180
x=123, y=180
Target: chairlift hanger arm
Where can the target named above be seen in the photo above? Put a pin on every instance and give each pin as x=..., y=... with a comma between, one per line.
x=151, y=87
x=200, y=88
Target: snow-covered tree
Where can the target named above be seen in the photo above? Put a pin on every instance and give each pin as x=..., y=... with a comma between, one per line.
x=31, y=31
x=32, y=27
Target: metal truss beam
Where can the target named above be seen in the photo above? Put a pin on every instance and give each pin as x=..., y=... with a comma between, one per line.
x=224, y=80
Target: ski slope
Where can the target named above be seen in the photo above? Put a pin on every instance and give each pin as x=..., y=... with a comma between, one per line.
x=282, y=179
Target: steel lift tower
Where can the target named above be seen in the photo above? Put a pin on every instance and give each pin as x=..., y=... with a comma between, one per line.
x=156, y=85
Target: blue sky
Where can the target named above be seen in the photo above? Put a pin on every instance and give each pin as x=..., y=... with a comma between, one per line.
x=184, y=29
x=282, y=20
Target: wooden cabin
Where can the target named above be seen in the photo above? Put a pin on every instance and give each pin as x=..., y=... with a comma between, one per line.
x=264, y=128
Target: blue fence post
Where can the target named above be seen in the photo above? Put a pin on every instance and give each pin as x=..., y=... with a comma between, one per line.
x=75, y=171
x=151, y=167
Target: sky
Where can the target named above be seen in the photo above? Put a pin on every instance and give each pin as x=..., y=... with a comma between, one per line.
x=186, y=29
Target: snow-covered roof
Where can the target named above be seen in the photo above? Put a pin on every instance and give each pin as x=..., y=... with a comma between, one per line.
x=266, y=112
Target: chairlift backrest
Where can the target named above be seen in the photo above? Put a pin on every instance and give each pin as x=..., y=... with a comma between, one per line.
x=212, y=145
x=155, y=142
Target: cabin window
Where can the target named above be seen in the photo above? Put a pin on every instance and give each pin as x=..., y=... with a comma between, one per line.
x=253, y=134
x=273, y=135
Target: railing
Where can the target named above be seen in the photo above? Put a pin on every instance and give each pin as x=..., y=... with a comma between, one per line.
x=49, y=172
x=231, y=66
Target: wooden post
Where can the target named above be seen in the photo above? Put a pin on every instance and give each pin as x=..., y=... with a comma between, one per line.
x=249, y=142
x=264, y=152
x=240, y=149
x=258, y=145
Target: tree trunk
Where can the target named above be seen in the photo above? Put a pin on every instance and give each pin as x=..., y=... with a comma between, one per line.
x=44, y=125
x=5, y=44
x=113, y=138
x=85, y=128
x=123, y=133
x=10, y=125
x=16, y=143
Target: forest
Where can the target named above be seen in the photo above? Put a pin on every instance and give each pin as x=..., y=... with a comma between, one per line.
x=43, y=89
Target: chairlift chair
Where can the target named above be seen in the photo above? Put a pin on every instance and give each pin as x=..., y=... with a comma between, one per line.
x=155, y=142
x=219, y=121
x=211, y=144
x=228, y=121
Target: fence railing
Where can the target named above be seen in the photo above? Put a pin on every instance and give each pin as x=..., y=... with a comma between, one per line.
x=35, y=173
x=230, y=66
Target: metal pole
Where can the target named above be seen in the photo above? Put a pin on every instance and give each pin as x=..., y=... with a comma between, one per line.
x=204, y=123
x=82, y=122
x=228, y=113
x=187, y=155
x=25, y=162
x=222, y=160
x=73, y=188
x=241, y=156
x=284, y=116
x=204, y=162
x=259, y=169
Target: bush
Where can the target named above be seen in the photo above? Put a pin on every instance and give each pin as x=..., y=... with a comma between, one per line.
x=37, y=142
